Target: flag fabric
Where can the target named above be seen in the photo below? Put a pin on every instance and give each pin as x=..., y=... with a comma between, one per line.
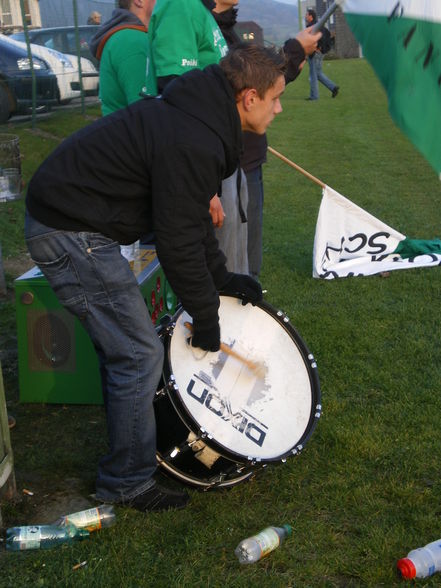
x=351, y=242
x=402, y=41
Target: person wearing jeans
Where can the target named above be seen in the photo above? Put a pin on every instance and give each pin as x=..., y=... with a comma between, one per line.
x=316, y=75
x=111, y=308
x=152, y=166
x=315, y=62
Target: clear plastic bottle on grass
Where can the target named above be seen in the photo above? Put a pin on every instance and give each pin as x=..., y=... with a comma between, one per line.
x=42, y=536
x=421, y=562
x=91, y=519
x=254, y=548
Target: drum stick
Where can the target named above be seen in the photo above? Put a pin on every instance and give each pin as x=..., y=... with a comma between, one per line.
x=297, y=167
x=258, y=368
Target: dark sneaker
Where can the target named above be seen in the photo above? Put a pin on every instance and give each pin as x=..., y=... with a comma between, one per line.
x=335, y=91
x=158, y=498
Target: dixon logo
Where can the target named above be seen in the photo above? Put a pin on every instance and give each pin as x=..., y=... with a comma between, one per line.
x=219, y=407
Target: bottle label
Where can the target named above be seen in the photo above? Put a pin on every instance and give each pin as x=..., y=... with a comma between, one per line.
x=87, y=519
x=29, y=538
x=267, y=540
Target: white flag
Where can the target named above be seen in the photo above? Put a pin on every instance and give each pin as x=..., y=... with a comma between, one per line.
x=351, y=242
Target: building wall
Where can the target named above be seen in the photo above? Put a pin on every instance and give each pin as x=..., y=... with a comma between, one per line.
x=11, y=18
x=250, y=32
x=322, y=7
x=346, y=45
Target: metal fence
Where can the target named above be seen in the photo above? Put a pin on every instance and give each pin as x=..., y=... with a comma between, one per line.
x=59, y=66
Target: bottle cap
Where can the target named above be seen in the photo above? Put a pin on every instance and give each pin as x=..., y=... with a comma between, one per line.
x=406, y=568
x=288, y=529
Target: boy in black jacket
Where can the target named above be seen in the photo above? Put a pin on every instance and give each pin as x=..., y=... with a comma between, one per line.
x=152, y=166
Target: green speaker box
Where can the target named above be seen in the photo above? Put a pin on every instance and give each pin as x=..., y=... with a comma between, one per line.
x=57, y=362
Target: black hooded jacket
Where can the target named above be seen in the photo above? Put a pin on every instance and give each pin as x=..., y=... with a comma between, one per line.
x=154, y=165
x=226, y=21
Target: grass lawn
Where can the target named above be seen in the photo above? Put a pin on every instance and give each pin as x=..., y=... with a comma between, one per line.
x=366, y=488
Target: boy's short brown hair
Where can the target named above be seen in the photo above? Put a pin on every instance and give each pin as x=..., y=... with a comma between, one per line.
x=251, y=66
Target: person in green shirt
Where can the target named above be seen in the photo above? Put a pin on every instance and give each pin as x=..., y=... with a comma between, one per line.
x=121, y=47
x=183, y=35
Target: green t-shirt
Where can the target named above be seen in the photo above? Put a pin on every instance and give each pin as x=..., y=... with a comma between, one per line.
x=183, y=35
x=122, y=69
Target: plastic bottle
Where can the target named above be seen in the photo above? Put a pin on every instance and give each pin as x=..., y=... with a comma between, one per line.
x=254, y=548
x=42, y=537
x=91, y=519
x=421, y=562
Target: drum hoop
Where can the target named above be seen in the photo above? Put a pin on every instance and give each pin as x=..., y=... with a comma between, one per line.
x=311, y=368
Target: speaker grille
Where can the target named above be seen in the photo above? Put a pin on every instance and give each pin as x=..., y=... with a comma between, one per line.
x=51, y=341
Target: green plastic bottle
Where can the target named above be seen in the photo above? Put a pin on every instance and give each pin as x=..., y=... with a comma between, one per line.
x=42, y=536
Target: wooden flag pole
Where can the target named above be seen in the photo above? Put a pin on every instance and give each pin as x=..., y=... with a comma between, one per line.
x=297, y=167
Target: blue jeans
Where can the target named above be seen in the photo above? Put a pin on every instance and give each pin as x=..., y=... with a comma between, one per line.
x=255, y=220
x=94, y=282
x=316, y=75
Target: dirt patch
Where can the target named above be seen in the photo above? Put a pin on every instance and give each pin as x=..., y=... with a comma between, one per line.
x=16, y=266
x=42, y=505
x=45, y=506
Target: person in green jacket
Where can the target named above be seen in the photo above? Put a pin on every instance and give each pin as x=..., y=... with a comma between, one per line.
x=121, y=47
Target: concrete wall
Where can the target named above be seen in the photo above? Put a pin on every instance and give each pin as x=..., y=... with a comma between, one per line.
x=345, y=43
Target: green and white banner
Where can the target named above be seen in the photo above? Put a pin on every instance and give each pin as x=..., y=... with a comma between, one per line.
x=351, y=242
x=402, y=41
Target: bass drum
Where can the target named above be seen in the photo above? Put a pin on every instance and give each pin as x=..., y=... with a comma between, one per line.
x=218, y=421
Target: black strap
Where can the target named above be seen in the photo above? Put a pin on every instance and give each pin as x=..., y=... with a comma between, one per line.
x=243, y=216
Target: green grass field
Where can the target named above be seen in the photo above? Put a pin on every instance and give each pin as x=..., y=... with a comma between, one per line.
x=365, y=490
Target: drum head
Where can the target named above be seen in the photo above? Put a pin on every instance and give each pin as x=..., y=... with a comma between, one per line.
x=247, y=416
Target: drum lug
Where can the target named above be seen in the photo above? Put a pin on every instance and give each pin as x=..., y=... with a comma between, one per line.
x=312, y=361
x=174, y=452
x=296, y=450
x=203, y=434
x=171, y=385
x=213, y=482
x=283, y=316
x=159, y=393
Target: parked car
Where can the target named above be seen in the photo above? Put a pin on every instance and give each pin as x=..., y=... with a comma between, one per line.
x=65, y=67
x=63, y=39
x=16, y=81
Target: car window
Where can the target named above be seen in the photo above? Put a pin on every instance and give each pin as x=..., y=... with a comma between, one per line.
x=45, y=39
x=71, y=46
x=84, y=36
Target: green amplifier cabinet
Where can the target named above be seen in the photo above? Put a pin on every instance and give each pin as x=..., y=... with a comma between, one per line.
x=57, y=362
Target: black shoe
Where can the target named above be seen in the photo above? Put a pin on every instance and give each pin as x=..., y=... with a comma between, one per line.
x=335, y=91
x=158, y=498
x=311, y=98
